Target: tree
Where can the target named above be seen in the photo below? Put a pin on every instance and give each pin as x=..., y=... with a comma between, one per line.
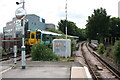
x=97, y=24
x=114, y=28
x=71, y=27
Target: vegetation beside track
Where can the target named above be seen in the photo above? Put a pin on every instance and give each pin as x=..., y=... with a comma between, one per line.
x=40, y=52
x=116, y=51
x=101, y=48
x=112, y=52
x=2, y=51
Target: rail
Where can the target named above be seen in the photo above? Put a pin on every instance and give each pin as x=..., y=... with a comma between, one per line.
x=92, y=71
x=110, y=68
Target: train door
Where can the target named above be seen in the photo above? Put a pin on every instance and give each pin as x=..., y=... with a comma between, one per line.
x=32, y=38
x=38, y=36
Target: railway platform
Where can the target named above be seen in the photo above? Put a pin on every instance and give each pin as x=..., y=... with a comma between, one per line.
x=42, y=70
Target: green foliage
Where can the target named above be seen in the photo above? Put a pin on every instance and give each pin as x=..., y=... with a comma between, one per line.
x=54, y=30
x=116, y=51
x=72, y=29
x=61, y=37
x=98, y=24
x=114, y=27
x=66, y=59
x=2, y=51
x=106, y=53
x=73, y=46
x=101, y=48
x=50, y=45
x=70, y=59
x=40, y=52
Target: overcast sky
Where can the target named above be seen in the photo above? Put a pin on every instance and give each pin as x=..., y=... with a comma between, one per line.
x=54, y=10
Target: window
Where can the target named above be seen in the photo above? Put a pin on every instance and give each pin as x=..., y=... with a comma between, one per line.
x=46, y=37
x=38, y=35
x=8, y=31
x=32, y=36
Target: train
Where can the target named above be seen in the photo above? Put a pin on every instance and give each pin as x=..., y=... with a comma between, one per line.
x=31, y=38
x=39, y=36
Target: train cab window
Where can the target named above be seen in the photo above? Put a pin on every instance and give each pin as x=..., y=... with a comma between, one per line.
x=32, y=36
x=38, y=35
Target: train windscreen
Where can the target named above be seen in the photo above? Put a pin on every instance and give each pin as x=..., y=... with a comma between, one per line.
x=38, y=35
x=32, y=36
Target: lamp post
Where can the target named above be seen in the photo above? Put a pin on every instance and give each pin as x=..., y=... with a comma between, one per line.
x=20, y=14
x=66, y=18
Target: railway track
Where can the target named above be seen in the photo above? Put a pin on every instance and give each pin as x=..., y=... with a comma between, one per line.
x=97, y=67
x=10, y=56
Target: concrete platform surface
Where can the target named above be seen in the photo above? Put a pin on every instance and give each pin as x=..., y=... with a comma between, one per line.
x=44, y=70
x=40, y=69
x=2, y=68
x=38, y=72
x=80, y=72
x=43, y=63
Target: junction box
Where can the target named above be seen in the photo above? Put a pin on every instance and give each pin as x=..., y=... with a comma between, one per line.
x=62, y=47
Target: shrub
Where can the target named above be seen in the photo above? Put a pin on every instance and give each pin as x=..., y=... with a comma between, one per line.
x=2, y=51
x=101, y=48
x=40, y=52
x=105, y=53
x=116, y=51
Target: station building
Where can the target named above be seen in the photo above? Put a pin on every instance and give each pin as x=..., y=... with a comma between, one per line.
x=9, y=29
x=50, y=25
x=33, y=22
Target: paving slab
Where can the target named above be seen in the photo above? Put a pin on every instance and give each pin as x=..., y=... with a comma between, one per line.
x=38, y=72
x=80, y=72
x=41, y=69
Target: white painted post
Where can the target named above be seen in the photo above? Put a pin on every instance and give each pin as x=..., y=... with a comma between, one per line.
x=23, y=47
x=15, y=55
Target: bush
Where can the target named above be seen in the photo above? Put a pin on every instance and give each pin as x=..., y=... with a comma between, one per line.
x=101, y=48
x=40, y=52
x=73, y=46
x=116, y=51
x=105, y=53
x=2, y=51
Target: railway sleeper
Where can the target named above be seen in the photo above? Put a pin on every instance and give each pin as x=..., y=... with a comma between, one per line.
x=96, y=73
x=98, y=67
